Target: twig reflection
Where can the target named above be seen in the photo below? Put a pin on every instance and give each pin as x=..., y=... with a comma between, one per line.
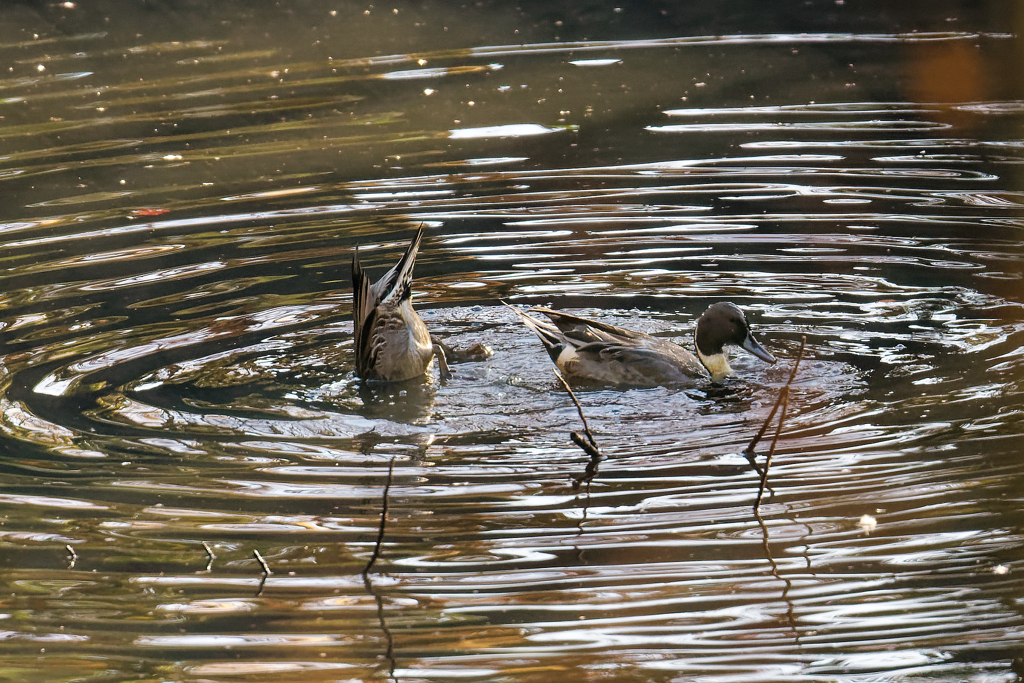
x=389, y=650
x=790, y=615
x=383, y=520
x=586, y=505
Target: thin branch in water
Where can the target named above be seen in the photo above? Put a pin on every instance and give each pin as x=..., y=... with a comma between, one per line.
x=583, y=519
x=588, y=476
x=768, y=553
x=771, y=451
x=586, y=443
x=579, y=409
x=586, y=440
x=210, y=557
x=72, y=556
x=780, y=407
x=591, y=470
x=266, y=570
x=263, y=563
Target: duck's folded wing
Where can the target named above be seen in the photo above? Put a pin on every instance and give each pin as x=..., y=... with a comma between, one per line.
x=637, y=366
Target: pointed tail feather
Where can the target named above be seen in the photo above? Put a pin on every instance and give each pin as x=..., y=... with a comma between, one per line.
x=584, y=330
x=549, y=335
x=397, y=282
x=360, y=291
x=363, y=311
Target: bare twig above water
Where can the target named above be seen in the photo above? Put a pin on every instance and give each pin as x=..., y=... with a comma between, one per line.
x=210, y=558
x=266, y=570
x=780, y=407
x=591, y=444
x=585, y=441
x=263, y=563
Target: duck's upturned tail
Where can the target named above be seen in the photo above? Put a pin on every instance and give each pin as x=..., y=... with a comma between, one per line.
x=550, y=336
x=394, y=287
x=396, y=284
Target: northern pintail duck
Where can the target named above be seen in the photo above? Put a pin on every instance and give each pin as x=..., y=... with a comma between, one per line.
x=392, y=343
x=587, y=350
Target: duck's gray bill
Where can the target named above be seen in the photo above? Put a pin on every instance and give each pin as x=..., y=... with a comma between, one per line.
x=753, y=346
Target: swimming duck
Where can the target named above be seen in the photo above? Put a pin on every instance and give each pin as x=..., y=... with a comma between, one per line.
x=392, y=343
x=587, y=350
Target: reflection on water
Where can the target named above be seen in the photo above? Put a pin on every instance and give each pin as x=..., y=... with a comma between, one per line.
x=183, y=191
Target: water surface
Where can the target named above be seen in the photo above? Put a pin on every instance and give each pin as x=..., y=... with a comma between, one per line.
x=183, y=190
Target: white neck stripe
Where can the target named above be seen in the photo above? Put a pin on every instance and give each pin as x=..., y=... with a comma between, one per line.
x=717, y=364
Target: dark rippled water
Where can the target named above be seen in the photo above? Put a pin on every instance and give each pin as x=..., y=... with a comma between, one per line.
x=183, y=187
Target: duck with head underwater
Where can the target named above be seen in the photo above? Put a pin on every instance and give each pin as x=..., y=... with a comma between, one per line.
x=590, y=351
x=392, y=343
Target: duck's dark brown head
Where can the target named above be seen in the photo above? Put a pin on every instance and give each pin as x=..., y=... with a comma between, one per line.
x=724, y=323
